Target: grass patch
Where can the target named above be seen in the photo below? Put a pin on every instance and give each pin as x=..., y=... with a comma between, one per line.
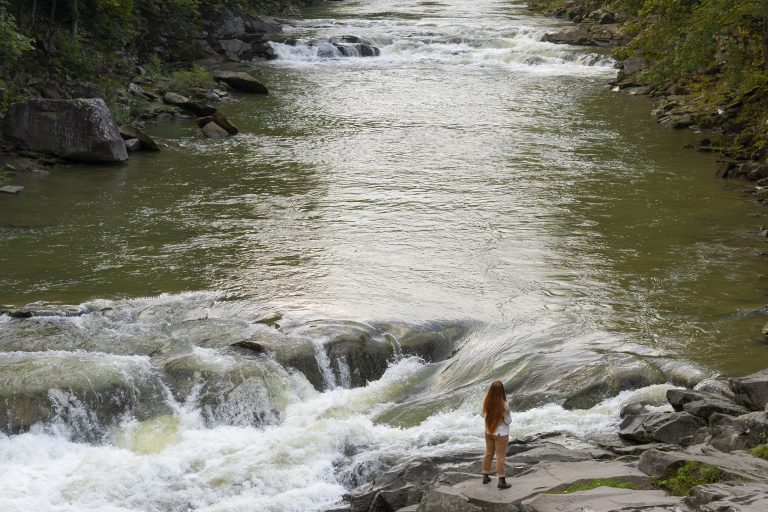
x=680, y=481
x=760, y=451
x=593, y=484
x=185, y=81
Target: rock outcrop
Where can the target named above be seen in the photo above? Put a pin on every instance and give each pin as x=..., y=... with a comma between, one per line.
x=239, y=36
x=81, y=130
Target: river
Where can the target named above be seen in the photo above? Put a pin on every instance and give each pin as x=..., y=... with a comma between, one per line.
x=472, y=192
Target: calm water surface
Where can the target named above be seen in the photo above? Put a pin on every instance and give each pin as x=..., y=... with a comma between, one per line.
x=470, y=176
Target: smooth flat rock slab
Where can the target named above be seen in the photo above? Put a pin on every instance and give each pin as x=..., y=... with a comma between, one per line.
x=602, y=499
x=735, y=465
x=552, y=452
x=729, y=497
x=473, y=496
x=11, y=189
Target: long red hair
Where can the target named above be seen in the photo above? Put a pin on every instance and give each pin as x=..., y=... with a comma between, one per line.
x=494, y=406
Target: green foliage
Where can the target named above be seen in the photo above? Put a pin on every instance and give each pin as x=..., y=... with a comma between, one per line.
x=593, y=484
x=685, y=477
x=760, y=451
x=185, y=81
x=13, y=44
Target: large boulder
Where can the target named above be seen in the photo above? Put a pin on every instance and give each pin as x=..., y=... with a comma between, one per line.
x=703, y=404
x=81, y=130
x=671, y=428
x=240, y=81
x=727, y=433
x=752, y=390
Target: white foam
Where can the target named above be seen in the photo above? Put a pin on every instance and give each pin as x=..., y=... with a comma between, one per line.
x=302, y=464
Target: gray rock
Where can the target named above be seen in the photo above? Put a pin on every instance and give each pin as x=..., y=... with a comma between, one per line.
x=214, y=131
x=221, y=120
x=552, y=452
x=132, y=145
x=727, y=433
x=145, y=141
x=640, y=448
x=631, y=66
x=670, y=428
x=602, y=499
x=634, y=409
x=400, y=487
x=240, y=81
x=706, y=408
x=173, y=98
x=139, y=92
x=752, y=390
x=11, y=189
x=81, y=130
x=577, y=35
x=234, y=48
x=716, y=387
x=196, y=107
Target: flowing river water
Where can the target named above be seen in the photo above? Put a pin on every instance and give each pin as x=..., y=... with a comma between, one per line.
x=388, y=234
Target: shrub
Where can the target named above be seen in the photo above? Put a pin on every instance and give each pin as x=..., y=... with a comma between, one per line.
x=760, y=451
x=187, y=80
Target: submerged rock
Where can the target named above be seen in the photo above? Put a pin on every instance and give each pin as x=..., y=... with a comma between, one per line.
x=81, y=130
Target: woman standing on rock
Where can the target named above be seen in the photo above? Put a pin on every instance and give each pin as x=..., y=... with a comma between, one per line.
x=497, y=420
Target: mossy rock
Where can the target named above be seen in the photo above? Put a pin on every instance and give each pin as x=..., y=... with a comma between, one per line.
x=681, y=478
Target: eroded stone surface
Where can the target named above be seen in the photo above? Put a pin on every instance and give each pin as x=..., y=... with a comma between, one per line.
x=602, y=499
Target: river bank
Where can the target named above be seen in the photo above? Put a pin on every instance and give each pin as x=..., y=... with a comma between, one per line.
x=700, y=96
x=708, y=454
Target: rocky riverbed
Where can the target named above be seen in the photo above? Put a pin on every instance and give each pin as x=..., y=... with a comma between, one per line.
x=707, y=454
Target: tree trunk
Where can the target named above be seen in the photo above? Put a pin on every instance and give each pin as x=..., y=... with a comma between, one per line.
x=49, y=44
x=75, y=17
x=765, y=31
x=32, y=18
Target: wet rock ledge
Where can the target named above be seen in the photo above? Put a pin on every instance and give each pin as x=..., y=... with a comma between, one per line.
x=708, y=454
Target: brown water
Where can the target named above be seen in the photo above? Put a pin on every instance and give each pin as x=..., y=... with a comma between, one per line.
x=470, y=174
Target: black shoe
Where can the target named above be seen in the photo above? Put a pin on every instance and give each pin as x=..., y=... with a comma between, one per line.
x=486, y=479
x=503, y=483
